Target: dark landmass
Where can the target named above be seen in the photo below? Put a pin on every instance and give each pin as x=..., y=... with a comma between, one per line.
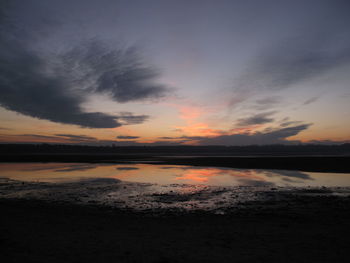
x=336, y=164
x=253, y=150
x=309, y=229
x=312, y=158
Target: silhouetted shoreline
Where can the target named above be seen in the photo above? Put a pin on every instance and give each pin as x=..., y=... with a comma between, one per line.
x=336, y=164
x=312, y=158
x=181, y=150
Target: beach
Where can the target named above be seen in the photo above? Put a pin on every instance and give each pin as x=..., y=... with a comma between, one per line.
x=313, y=229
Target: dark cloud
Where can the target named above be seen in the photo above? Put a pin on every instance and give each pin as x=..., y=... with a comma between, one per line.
x=328, y=142
x=76, y=137
x=119, y=73
x=311, y=100
x=260, y=118
x=68, y=138
x=127, y=118
x=37, y=136
x=285, y=122
x=85, y=140
x=127, y=137
x=288, y=123
x=267, y=103
x=278, y=136
x=53, y=86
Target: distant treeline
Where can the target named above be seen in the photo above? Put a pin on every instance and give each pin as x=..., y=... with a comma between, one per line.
x=305, y=149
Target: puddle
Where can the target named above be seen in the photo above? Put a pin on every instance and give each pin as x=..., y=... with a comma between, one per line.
x=145, y=187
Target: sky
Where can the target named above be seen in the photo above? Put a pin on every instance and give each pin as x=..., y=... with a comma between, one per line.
x=166, y=72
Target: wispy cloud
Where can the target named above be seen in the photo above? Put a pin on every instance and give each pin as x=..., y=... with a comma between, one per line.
x=291, y=62
x=320, y=46
x=267, y=102
x=260, y=118
x=311, y=100
x=76, y=137
x=277, y=136
x=126, y=137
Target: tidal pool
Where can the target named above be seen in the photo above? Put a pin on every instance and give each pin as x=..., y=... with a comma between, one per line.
x=169, y=174
x=147, y=187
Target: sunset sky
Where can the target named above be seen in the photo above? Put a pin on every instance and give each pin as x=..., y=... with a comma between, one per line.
x=169, y=72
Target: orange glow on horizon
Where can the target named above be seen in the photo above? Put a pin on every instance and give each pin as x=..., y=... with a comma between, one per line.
x=199, y=129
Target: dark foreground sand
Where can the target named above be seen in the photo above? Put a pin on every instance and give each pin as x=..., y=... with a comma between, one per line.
x=312, y=229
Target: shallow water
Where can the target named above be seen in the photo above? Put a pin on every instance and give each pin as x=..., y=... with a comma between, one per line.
x=158, y=188
x=170, y=174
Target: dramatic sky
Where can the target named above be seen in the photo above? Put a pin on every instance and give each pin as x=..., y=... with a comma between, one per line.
x=130, y=72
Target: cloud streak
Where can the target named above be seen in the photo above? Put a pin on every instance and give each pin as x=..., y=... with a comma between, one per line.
x=319, y=46
x=311, y=100
x=76, y=137
x=124, y=137
x=260, y=118
x=278, y=136
x=292, y=62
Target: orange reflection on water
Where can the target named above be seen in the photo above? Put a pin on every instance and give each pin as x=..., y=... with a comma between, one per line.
x=199, y=176
x=167, y=174
x=204, y=175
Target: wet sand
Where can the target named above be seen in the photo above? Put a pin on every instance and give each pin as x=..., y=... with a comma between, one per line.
x=157, y=199
x=79, y=222
x=311, y=229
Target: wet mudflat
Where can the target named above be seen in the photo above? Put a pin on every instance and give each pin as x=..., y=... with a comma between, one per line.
x=158, y=199
x=311, y=229
x=78, y=222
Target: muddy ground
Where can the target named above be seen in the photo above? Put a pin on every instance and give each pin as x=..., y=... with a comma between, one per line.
x=95, y=222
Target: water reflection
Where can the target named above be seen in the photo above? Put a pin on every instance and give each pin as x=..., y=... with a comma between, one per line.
x=166, y=174
x=127, y=168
